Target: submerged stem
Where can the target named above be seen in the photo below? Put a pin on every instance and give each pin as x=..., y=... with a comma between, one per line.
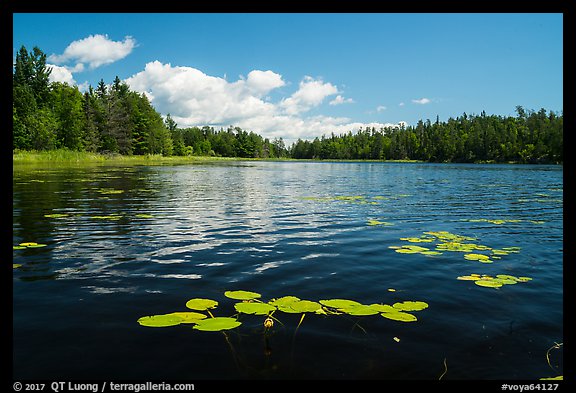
x=445, y=369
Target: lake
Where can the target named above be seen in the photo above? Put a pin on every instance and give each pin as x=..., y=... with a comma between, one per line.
x=124, y=242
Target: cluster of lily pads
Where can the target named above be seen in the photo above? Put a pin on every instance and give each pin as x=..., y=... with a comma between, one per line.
x=486, y=280
x=450, y=242
x=250, y=304
x=105, y=217
x=23, y=246
x=357, y=199
x=503, y=221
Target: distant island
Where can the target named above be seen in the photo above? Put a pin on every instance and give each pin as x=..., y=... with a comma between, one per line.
x=113, y=120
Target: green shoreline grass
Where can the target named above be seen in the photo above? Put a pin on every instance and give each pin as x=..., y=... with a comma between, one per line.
x=64, y=156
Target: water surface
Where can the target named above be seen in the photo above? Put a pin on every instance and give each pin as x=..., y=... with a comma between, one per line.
x=142, y=240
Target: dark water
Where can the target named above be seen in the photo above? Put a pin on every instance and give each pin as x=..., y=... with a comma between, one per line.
x=281, y=229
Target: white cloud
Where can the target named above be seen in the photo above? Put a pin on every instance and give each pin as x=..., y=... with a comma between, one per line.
x=196, y=99
x=422, y=101
x=401, y=104
x=96, y=50
x=341, y=100
x=60, y=74
x=380, y=108
x=310, y=93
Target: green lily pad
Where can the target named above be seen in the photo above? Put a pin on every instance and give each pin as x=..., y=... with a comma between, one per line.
x=305, y=306
x=56, y=215
x=410, y=305
x=242, y=295
x=37, y=246
x=477, y=257
x=217, y=324
x=488, y=283
x=505, y=277
x=188, y=317
x=16, y=265
x=523, y=279
x=144, y=216
x=400, y=316
x=468, y=278
x=201, y=304
x=376, y=222
x=431, y=253
x=383, y=308
x=163, y=320
x=361, y=310
x=18, y=247
x=254, y=308
x=557, y=378
x=283, y=301
x=340, y=303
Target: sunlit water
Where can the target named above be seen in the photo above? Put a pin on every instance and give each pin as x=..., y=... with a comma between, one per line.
x=142, y=240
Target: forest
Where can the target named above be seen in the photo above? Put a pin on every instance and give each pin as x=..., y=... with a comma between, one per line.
x=112, y=119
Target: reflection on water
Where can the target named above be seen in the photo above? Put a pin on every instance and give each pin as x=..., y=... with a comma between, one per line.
x=124, y=242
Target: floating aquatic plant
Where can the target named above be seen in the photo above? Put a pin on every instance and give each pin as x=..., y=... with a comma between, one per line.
x=16, y=265
x=111, y=217
x=250, y=305
x=217, y=324
x=144, y=216
x=242, y=295
x=56, y=215
x=255, y=308
x=22, y=246
x=494, y=282
x=376, y=222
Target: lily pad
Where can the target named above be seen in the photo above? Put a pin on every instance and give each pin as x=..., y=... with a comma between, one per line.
x=201, y=304
x=468, y=278
x=305, y=306
x=410, y=306
x=254, y=308
x=361, y=310
x=16, y=265
x=188, y=317
x=144, y=216
x=283, y=301
x=488, y=283
x=217, y=324
x=163, y=320
x=383, y=308
x=478, y=257
x=18, y=247
x=524, y=279
x=376, y=222
x=400, y=316
x=505, y=277
x=340, y=303
x=56, y=215
x=242, y=295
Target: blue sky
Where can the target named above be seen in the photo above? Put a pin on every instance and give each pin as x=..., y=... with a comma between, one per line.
x=304, y=75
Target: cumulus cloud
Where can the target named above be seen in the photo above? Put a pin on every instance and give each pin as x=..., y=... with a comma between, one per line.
x=95, y=50
x=422, y=101
x=60, y=74
x=194, y=98
x=311, y=92
x=341, y=100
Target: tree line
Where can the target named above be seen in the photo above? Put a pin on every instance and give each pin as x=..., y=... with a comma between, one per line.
x=113, y=119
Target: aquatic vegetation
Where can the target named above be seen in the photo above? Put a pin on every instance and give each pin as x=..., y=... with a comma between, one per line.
x=16, y=265
x=144, y=215
x=355, y=199
x=493, y=282
x=111, y=217
x=22, y=246
x=251, y=305
x=450, y=242
x=109, y=191
x=242, y=295
x=503, y=221
x=56, y=215
x=376, y=222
